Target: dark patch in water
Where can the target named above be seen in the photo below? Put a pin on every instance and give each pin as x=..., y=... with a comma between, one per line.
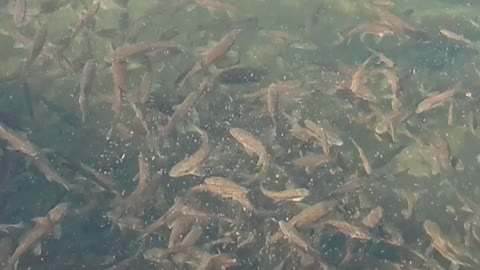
x=241, y=75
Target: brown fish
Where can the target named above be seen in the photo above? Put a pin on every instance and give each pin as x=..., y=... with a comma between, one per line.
x=350, y=230
x=311, y=162
x=38, y=42
x=43, y=227
x=252, y=146
x=272, y=100
x=18, y=141
x=43, y=164
x=294, y=237
x=182, y=110
x=227, y=189
x=122, y=54
x=294, y=195
x=375, y=29
x=373, y=218
x=456, y=37
x=119, y=78
x=19, y=12
x=456, y=254
x=366, y=163
x=437, y=100
x=192, y=165
x=398, y=24
x=104, y=180
x=210, y=56
x=281, y=88
x=86, y=84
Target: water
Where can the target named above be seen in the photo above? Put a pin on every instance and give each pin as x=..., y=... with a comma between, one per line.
x=420, y=167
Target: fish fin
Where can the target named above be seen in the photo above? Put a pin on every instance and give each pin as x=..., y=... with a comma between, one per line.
x=57, y=232
x=234, y=16
x=309, y=170
x=340, y=40
x=377, y=40
x=37, y=250
x=40, y=220
x=199, y=171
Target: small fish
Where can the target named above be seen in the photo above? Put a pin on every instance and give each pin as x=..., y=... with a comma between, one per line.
x=122, y=54
x=227, y=189
x=366, y=164
x=437, y=100
x=211, y=55
x=375, y=29
x=183, y=109
x=383, y=59
x=119, y=78
x=192, y=165
x=43, y=227
x=145, y=88
x=250, y=144
x=294, y=195
x=350, y=230
x=272, y=100
x=456, y=37
x=373, y=218
x=472, y=122
x=294, y=237
x=136, y=201
x=18, y=141
x=86, y=84
x=397, y=24
x=456, y=254
x=38, y=42
x=281, y=88
x=311, y=162
x=19, y=12
x=7, y=228
x=318, y=130
x=450, y=115
x=102, y=179
x=51, y=174
x=213, y=5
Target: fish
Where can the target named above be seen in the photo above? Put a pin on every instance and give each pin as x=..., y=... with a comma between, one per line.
x=250, y=144
x=43, y=164
x=349, y=230
x=293, y=195
x=192, y=165
x=18, y=141
x=457, y=255
x=380, y=30
x=119, y=78
x=43, y=227
x=456, y=37
x=19, y=12
x=183, y=109
x=366, y=163
x=86, y=84
x=227, y=189
x=294, y=237
x=373, y=218
x=318, y=130
x=437, y=100
x=211, y=55
x=311, y=162
x=124, y=53
x=272, y=101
